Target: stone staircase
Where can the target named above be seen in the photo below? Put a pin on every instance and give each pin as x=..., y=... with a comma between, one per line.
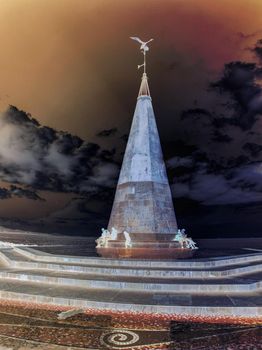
x=220, y=286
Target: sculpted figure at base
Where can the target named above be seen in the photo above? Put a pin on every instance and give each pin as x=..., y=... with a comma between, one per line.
x=114, y=234
x=184, y=241
x=128, y=242
x=103, y=239
x=106, y=236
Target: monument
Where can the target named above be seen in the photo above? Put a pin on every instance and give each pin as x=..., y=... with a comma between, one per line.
x=143, y=222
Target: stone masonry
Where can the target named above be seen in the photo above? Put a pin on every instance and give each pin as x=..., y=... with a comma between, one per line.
x=143, y=203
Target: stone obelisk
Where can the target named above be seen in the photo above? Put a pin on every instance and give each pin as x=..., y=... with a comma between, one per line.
x=143, y=208
x=143, y=204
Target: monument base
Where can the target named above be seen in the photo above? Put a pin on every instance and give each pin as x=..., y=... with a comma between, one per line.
x=145, y=250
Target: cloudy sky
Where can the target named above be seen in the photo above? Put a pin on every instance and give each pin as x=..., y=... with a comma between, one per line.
x=67, y=94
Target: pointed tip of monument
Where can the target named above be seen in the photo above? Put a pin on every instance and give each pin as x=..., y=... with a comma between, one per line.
x=144, y=87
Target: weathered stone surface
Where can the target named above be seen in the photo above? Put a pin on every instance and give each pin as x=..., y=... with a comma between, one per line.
x=143, y=160
x=143, y=203
x=149, y=211
x=144, y=250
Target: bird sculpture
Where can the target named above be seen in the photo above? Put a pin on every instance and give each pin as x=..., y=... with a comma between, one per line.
x=143, y=46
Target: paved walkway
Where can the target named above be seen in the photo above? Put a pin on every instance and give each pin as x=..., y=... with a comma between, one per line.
x=27, y=327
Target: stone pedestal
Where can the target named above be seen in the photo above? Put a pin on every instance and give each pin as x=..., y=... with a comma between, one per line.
x=147, y=251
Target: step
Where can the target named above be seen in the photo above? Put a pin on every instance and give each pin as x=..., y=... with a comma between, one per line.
x=160, y=303
x=198, y=286
x=38, y=255
x=11, y=257
x=69, y=261
x=8, y=255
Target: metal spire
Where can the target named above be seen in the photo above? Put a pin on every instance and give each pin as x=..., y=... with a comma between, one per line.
x=144, y=88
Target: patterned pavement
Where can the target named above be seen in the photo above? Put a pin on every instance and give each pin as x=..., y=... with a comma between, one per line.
x=27, y=326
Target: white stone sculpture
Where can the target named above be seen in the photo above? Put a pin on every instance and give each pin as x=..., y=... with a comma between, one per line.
x=102, y=241
x=114, y=234
x=191, y=244
x=128, y=242
x=106, y=236
x=184, y=241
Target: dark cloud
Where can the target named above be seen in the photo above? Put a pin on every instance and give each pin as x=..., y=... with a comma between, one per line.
x=240, y=160
x=244, y=36
x=239, y=80
x=124, y=138
x=198, y=177
x=230, y=186
x=258, y=49
x=4, y=193
x=218, y=136
x=196, y=114
x=108, y=154
x=107, y=132
x=210, y=122
x=252, y=148
x=46, y=159
x=15, y=191
x=24, y=193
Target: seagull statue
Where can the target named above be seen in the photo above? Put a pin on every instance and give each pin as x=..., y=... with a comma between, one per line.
x=143, y=46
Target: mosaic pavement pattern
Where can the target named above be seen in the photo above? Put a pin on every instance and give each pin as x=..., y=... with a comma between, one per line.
x=24, y=326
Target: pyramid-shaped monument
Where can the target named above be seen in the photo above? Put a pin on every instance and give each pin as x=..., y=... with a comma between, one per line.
x=143, y=204
x=142, y=222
